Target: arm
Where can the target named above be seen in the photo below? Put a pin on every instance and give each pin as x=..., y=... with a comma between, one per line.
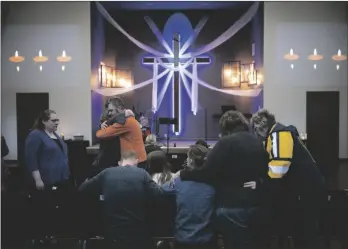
x=32, y=147
x=112, y=131
x=280, y=149
x=154, y=189
x=209, y=172
x=170, y=187
x=92, y=186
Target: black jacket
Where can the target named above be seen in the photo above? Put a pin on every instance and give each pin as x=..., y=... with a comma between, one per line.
x=234, y=160
x=110, y=149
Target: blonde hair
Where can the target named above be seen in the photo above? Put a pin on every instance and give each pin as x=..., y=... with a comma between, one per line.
x=197, y=153
x=129, y=155
x=151, y=139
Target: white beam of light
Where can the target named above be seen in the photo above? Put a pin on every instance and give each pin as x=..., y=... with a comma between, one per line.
x=238, y=25
x=247, y=92
x=116, y=91
x=141, y=45
x=194, y=102
x=195, y=33
x=164, y=88
x=186, y=84
x=175, y=69
x=154, y=86
x=158, y=34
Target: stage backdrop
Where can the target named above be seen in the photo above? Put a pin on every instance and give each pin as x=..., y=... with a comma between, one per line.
x=123, y=54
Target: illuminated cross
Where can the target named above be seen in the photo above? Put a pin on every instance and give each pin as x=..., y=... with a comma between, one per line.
x=173, y=62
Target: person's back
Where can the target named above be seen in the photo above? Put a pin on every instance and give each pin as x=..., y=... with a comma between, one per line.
x=127, y=193
x=125, y=202
x=195, y=203
x=246, y=160
x=195, y=209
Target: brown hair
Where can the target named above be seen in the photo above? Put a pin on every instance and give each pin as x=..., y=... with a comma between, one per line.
x=158, y=163
x=262, y=121
x=198, y=154
x=129, y=155
x=233, y=121
x=44, y=116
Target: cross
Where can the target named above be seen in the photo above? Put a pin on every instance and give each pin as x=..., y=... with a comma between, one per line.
x=175, y=61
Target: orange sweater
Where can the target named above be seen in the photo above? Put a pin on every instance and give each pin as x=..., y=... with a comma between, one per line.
x=130, y=134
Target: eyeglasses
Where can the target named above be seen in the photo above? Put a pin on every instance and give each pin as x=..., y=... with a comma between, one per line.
x=55, y=120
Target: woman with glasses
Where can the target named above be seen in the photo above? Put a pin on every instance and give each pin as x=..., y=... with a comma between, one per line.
x=46, y=158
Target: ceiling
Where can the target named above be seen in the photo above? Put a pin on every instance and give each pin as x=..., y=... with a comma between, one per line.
x=172, y=5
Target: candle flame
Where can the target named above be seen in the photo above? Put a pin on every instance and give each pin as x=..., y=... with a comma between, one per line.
x=339, y=52
x=291, y=51
x=63, y=53
x=40, y=53
x=338, y=67
x=315, y=51
x=16, y=54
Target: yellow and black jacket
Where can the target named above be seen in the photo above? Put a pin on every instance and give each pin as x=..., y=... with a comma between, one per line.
x=291, y=163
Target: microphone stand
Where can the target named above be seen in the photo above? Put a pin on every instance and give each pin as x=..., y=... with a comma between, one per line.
x=168, y=137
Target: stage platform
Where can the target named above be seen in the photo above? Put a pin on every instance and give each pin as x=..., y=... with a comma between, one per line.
x=175, y=146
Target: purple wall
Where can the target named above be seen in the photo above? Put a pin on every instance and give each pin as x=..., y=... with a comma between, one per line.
x=97, y=47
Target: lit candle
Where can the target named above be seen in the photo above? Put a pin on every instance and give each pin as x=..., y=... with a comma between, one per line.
x=16, y=54
x=339, y=52
x=40, y=53
x=291, y=51
x=315, y=52
x=63, y=53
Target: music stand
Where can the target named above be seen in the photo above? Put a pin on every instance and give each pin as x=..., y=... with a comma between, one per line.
x=168, y=122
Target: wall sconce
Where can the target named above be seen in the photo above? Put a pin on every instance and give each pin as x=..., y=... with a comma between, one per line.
x=231, y=74
x=339, y=57
x=291, y=56
x=315, y=57
x=63, y=59
x=40, y=59
x=16, y=59
x=249, y=74
x=113, y=78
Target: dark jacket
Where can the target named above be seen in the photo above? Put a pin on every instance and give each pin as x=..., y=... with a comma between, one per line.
x=110, y=149
x=127, y=192
x=234, y=160
x=301, y=176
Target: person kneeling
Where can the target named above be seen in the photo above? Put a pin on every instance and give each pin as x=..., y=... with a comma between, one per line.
x=195, y=206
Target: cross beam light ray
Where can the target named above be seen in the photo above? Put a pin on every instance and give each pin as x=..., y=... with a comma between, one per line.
x=141, y=45
x=154, y=86
x=245, y=19
x=194, y=101
x=164, y=88
x=186, y=84
x=191, y=39
x=112, y=91
x=158, y=34
x=247, y=93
